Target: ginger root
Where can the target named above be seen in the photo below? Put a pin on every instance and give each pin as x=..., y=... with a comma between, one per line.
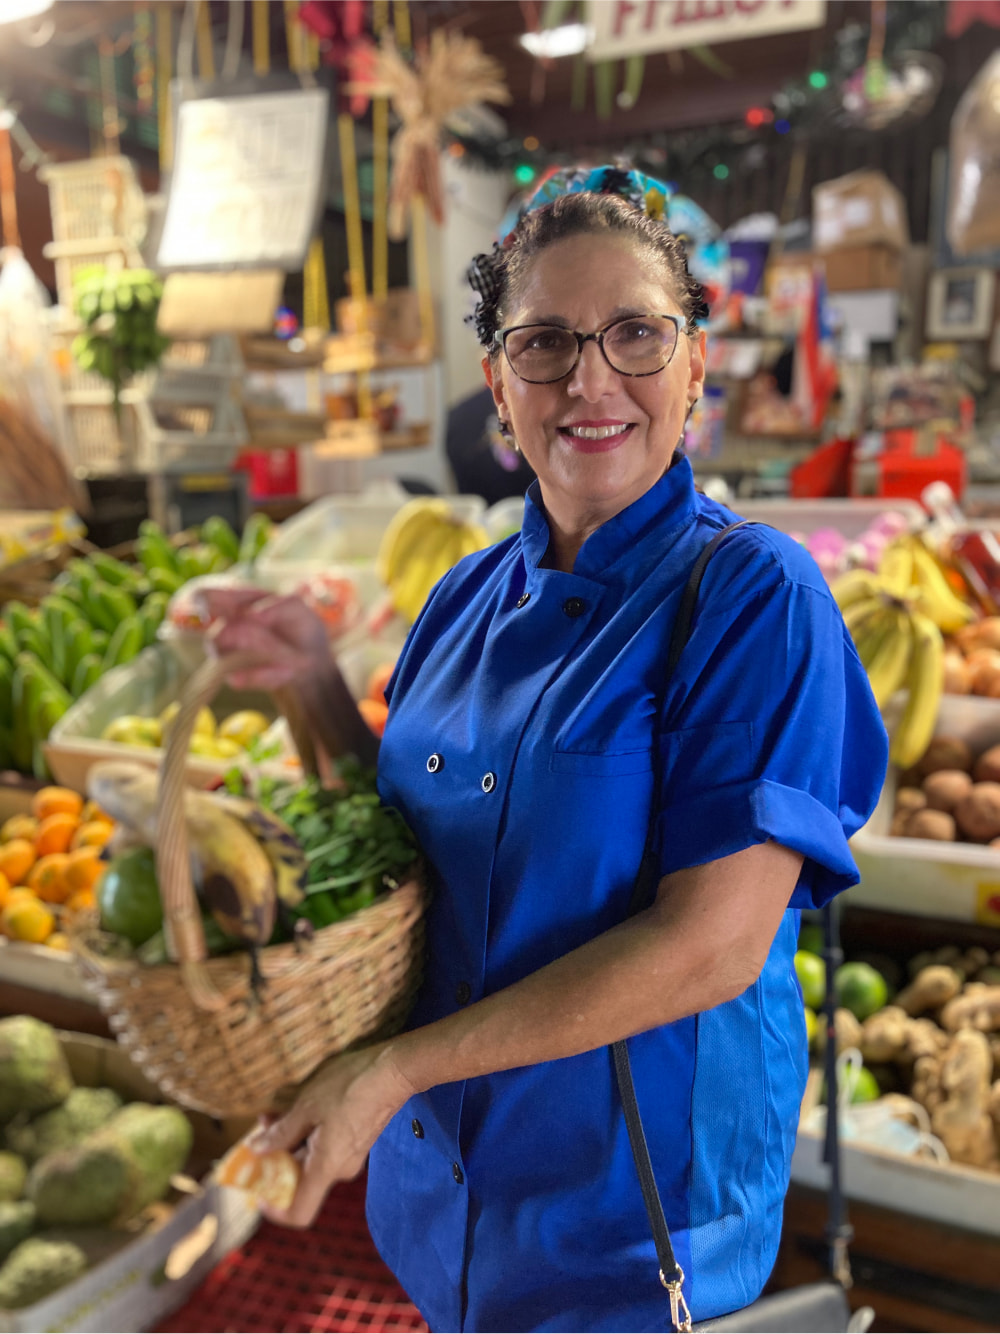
x=891, y=1035
x=962, y=1120
x=934, y=986
x=978, y=1007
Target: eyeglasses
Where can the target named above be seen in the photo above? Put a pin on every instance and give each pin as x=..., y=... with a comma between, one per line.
x=544, y=353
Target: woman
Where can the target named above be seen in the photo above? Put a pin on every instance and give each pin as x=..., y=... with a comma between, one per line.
x=528, y=712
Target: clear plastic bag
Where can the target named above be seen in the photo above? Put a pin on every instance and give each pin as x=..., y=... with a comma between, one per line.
x=974, y=188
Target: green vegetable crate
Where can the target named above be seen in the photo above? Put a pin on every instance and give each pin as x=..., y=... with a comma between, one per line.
x=135, y=1280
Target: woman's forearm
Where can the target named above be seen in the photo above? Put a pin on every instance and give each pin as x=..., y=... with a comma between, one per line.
x=702, y=943
x=333, y=716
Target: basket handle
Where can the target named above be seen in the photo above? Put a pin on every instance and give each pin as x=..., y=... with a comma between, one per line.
x=173, y=860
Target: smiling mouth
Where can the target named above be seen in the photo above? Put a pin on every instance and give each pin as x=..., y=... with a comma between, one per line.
x=596, y=438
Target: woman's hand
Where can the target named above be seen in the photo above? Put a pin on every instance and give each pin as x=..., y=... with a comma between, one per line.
x=282, y=629
x=335, y=1121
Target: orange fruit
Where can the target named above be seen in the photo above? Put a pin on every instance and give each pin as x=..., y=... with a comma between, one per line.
x=56, y=801
x=55, y=833
x=269, y=1176
x=58, y=941
x=16, y=859
x=19, y=826
x=93, y=834
x=81, y=900
x=84, y=868
x=48, y=877
x=91, y=811
x=4, y=890
x=378, y=681
x=374, y=714
x=28, y=920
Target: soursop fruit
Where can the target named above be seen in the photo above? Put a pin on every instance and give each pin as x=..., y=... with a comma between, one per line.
x=86, y=1185
x=84, y=1111
x=17, y=1221
x=158, y=1140
x=37, y=1268
x=13, y=1174
x=34, y=1074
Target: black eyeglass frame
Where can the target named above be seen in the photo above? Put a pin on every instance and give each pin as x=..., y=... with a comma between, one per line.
x=597, y=337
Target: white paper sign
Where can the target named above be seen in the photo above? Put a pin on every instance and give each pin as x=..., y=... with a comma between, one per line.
x=246, y=181
x=632, y=27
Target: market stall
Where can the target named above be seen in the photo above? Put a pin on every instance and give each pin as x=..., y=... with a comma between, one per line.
x=228, y=365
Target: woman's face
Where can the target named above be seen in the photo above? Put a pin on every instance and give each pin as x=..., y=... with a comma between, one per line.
x=585, y=282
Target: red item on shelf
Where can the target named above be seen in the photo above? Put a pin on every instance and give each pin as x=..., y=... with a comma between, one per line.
x=273, y=472
x=326, y=1278
x=902, y=470
x=824, y=473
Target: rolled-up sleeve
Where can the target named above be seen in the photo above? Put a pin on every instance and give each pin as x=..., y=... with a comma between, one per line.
x=771, y=733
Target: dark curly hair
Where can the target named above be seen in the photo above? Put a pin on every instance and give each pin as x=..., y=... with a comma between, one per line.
x=495, y=276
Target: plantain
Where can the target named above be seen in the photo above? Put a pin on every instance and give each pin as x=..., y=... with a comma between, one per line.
x=230, y=869
x=934, y=594
x=282, y=849
x=925, y=681
x=888, y=667
x=407, y=530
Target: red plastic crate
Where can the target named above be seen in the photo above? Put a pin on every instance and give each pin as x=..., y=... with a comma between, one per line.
x=286, y=1281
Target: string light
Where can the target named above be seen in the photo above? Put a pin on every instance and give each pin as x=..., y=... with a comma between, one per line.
x=530, y=144
x=817, y=79
x=720, y=171
x=524, y=173
x=782, y=125
x=758, y=116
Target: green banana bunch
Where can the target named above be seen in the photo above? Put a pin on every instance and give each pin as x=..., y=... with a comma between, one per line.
x=119, y=309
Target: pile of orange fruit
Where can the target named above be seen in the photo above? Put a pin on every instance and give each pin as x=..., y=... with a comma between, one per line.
x=50, y=863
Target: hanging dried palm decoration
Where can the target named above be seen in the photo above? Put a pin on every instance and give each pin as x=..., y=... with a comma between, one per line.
x=451, y=73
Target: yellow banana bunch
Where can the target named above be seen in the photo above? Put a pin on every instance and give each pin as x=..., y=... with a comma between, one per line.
x=423, y=542
x=925, y=680
x=935, y=596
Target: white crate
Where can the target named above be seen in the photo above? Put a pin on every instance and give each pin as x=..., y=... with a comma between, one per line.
x=71, y=258
x=217, y=356
x=97, y=441
x=850, y=517
x=95, y=198
x=189, y=421
x=920, y=876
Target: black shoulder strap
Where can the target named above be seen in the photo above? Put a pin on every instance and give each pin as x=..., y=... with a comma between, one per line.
x=838, y=1231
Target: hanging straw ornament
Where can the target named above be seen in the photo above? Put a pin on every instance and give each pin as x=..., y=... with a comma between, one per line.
x=453, y=72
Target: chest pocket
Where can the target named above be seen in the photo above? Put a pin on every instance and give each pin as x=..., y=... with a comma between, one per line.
x=602, y=766
x=711, y=756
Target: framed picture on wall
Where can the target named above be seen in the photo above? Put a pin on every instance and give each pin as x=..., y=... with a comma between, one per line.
x=960, y=304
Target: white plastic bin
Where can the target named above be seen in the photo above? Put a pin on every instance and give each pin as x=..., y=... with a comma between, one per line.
x=850, y=517
x=504, y=518
x=960, y=881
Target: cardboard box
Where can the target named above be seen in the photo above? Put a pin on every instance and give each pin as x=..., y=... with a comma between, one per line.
x=139, y=1275
x=862, y=208
x=864, y=268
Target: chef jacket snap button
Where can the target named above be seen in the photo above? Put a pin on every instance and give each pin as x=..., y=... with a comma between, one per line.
x=435, y=763
x=456, y=1172
x=574, y=607
x=523, y=599
x=489, y=782
x=463, y=993
x=417, y=1128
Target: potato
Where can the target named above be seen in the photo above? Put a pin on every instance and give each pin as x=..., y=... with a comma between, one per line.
x=897, y=827
x=987, y=767
x=983, y=634
x=946, y=788
x=910, y=799
x=978, y=813
x=957, y=676
x=983, y=665
x=938, y=825
x=946, y=752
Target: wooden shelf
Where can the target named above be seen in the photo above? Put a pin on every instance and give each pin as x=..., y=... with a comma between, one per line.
x=356, y=438
x=351, y=354
x=262, y=353
x=278, y=428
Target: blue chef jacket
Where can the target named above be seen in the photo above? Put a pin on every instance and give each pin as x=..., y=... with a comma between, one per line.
x=527, y=712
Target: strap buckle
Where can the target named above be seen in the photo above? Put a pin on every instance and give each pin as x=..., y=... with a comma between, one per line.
x=680, y=1316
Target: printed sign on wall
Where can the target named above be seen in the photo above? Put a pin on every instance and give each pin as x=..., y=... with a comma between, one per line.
x=633, y=27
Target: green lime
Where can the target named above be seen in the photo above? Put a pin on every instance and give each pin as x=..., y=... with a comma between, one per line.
x=812, y=1026
x=128, y=897
x=860, y=988
x=811, y=938
x=811, y=972
x=866, y=1088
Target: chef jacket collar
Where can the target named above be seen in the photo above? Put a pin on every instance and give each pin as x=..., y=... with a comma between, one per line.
x=630, y=541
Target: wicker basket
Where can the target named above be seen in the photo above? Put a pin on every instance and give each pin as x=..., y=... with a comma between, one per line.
x=195, y=1027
